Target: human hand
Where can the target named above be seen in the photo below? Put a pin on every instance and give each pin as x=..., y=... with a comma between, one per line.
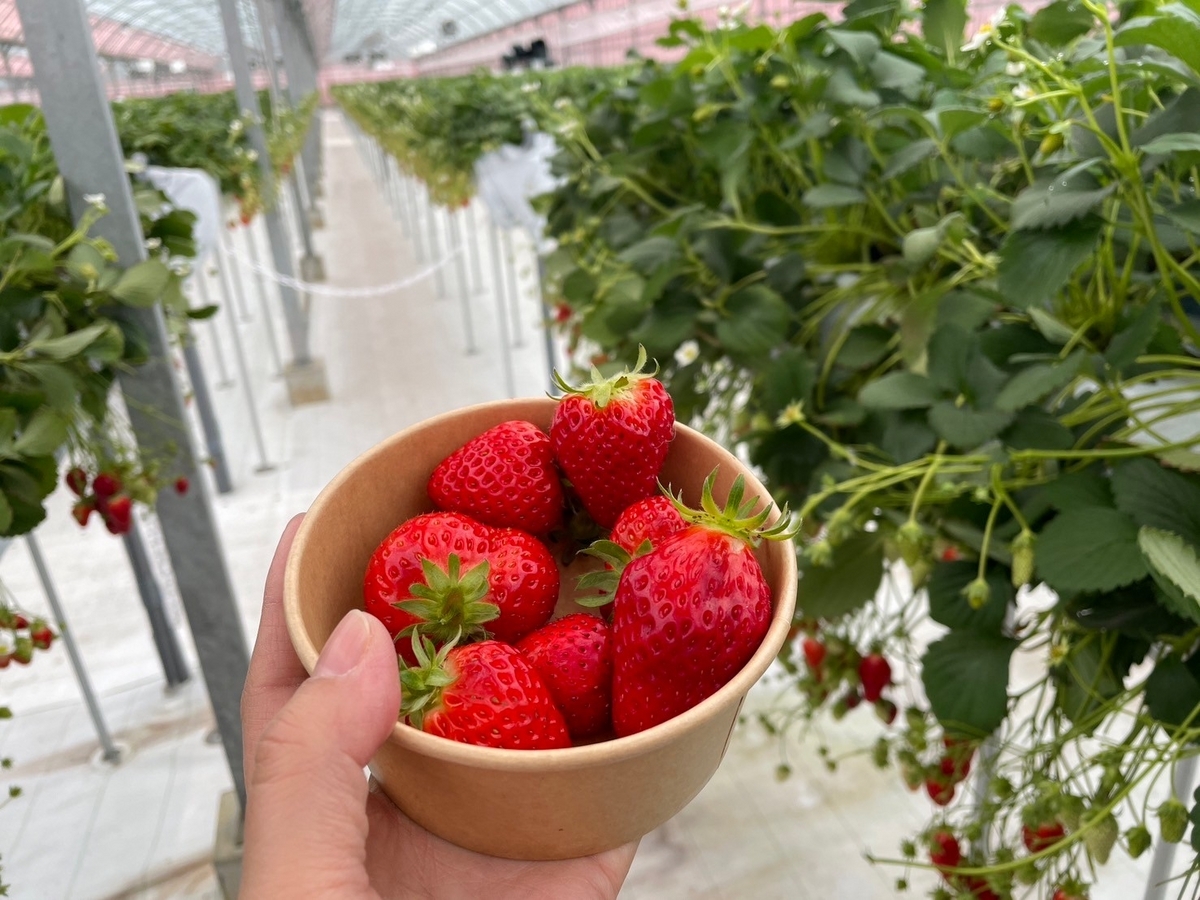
x=315, y=829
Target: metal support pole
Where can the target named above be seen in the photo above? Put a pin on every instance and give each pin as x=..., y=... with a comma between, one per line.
x=1164, y=853
x=112, y=753
x=547, y=337
x=239, y=355
x=264, y=303
x=514, y=291
x=281, y=251
x=460, y=271
x=473, y=240
x=299, y=61
x=84, y=140
x=214, y=333
x=502, y=315
x=208, y=416
x=169, y=653
x=435, y=250
x=414, y=222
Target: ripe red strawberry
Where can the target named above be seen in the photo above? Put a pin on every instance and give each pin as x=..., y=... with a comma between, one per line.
x=118, y=514
x=77, y=481
x=978, y=889
x=940, y=791
x=19, y=621
x=875, y=673
x=945, y=852
x=610, y=437
x=814, y=653
x=955, y=766
x=486, y=694
x=506, y=478
x=106, y=485
x=654, y=519
x=1064, y=893
x=1041, y=837
x=182, y=484
x=448, y=573
x=689, y=615
x=41, y=635
x=886, y=710
x=574, y=658
x=562, y=313
x=5, y=659
x=951, y=554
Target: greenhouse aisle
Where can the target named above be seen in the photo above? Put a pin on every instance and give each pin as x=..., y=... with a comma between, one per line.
x=144, y=829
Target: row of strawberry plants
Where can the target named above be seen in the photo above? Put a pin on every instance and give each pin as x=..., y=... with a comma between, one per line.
x=438, y=128
x=208, y=132
x=942, y=293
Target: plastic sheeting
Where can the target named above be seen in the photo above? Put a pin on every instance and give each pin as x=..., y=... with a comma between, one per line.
x=197, y=192
x=508, y=178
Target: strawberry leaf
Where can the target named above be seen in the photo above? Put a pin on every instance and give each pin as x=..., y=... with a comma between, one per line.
x=1085, y=550
x=847, y=584
x=966, y=680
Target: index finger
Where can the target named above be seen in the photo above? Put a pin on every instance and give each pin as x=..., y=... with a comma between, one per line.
x=275, y=670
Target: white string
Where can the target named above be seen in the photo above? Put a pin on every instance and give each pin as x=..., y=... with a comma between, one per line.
x=326, y=291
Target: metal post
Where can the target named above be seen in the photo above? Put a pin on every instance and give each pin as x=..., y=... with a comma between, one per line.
x=169, y=653
x=306, y=379
x=473, y=239
x=208, y=416
x=300, y=64
x=256, y=261
x=84, y=141
x=414, y=223
x=239, y=355
x=435, y=250
x=1164, y=853
x=514, y=291
x=502, y=315
x=112, y=753
x=547, y=337
x=460, y=271
x=213, y=332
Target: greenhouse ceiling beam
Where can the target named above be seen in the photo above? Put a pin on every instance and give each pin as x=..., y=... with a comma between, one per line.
x=305, y=376
x=84, y=140
x=418, y=27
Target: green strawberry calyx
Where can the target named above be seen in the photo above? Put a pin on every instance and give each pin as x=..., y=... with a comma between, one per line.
x=602, y=391
x=740, y=518
x=421, y=686
x=601, y=585
x=450, y=602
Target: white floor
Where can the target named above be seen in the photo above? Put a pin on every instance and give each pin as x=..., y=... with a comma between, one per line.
x=85, y=830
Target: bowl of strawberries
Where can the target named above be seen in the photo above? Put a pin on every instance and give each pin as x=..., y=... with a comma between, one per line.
x=581, y=591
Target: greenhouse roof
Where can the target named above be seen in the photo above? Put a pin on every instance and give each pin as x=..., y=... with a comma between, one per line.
x=190, y=30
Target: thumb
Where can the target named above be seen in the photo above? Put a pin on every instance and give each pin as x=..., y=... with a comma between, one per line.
x=306, y=820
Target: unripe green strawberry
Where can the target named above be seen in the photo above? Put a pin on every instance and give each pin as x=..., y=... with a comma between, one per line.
x=1101, y=837
x=1137, y=840
x=912, y=541
x=1022, y=558
x=1070, y=811
x=819, y=553
x=919, y=572
x=978, y=593
x=1172, y=820
x=879, y=753
x=1029, y=873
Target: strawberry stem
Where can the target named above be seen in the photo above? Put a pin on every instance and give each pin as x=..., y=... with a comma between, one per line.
x=602, y=391
x=450, y=603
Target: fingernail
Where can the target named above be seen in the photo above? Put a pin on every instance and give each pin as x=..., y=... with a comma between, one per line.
x=345, y=646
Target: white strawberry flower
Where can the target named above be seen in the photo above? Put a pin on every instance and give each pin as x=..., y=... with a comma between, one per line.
x=687, y=353
x=1023, y=92
x=96, y=200
x=1014, y=69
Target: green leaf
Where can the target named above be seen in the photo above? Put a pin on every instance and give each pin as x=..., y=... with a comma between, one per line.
x=1175, y=559
x=1186, y=215
x=72, y=344
x=842, y=88
x=203, y=312
x=57, y=383
x=648, y=255
x=828, y=196
x=942, y=24
x=1172, y=692
x=1050, y=328
x=966, y=428
x=752, y=40
x=848, y=584
x=948, y=605
x=142, y=284
x=8, y=426
x=1033, y=383
x=912, y=154
x=1086, y=679
x=1093, y=549
x=1059, y=23
x=860, y=45
x=899, y=390
x=1173, y=143
x=787, y=378
x=1175, y=28
x=897, y=73
x=756, y=319
x=1131, y=342
x=43, y=435
x=6, y=514
x=864, y=346
x=1057, y=201
x=1035, y=265
x=1079, y=489
x=966, y=680
x=1036, y=429
x=1157, y=497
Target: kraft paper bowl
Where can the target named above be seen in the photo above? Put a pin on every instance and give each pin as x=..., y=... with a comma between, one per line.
x=519, y=804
